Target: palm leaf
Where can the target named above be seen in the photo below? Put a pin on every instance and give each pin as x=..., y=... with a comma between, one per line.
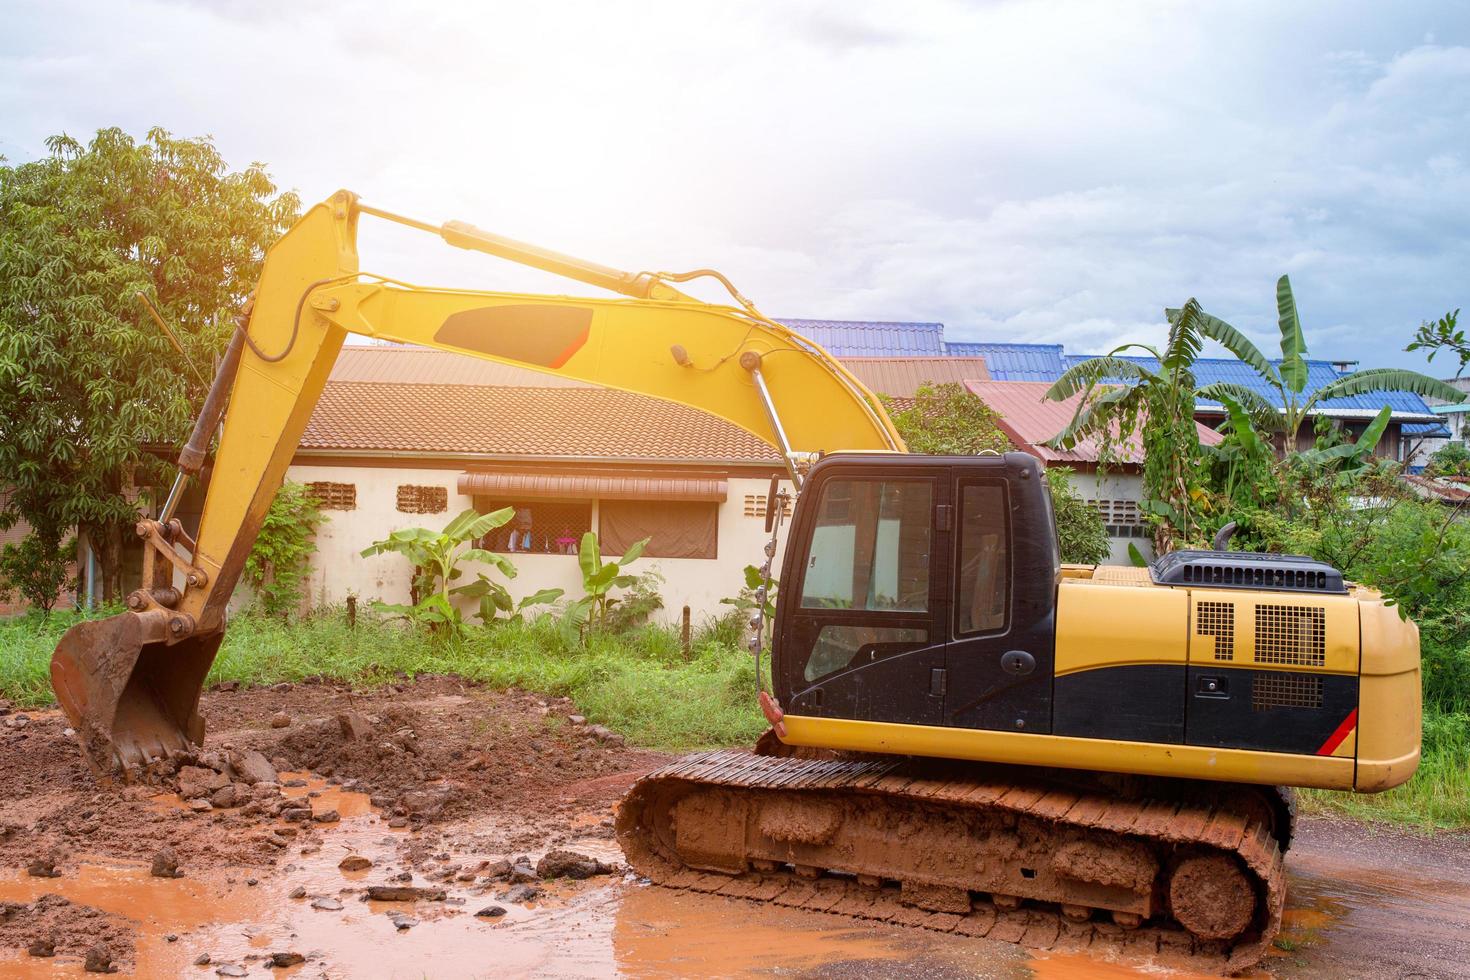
x=1293, y=344
x=1091, y=413
x=634, y=550
x=480, y=525
x=490, y=558
x=1092, y=371
x=1242, y=423
x=1388, y=379
x=1264, y=415
x=1185, y=339
x=587, y=555
x=1374, y=432
x=1234, y=341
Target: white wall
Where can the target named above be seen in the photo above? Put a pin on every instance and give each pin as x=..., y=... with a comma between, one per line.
x=1115, y=486
x=338, y=568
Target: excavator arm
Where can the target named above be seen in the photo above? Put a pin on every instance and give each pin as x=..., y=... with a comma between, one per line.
x=131, y=683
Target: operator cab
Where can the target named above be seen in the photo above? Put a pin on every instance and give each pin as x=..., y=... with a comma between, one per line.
x=921, y=590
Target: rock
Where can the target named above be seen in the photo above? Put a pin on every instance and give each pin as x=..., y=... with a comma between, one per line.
x=327, y=816
x=166, y=864
x=354, y=725
x=523, y=872
x=280, y=763
x=226, y=798
x=250, y=767
x=197, y=781
x=280, y=720
x=202, y=959
x=265, y=791
x=326, y=904
x=231, y=970
x=44, y=867
x=398, y=823
x=354, y=862
x=298, y=892
x=491, y=912
x=200, y=806
x=569, y=864
x=521, y=893
x=294, y=783
x=227, y=686
x=42, y=947
x=251, y=882
x=296, y=814
x=425, y=804
x=99, y=960
x=497, y=869
x=287, y=959
x=404, y=893
x=402, y=922
x=172, y=937
x=599, y=731
x=576, y=719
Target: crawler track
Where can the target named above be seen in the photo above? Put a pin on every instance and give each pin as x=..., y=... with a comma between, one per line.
x=1185, y=877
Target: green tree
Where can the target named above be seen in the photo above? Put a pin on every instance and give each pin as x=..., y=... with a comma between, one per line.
x=93, y=397
x=1081, y=534
x=1288, y=378
x=947, y=420
x=37, y=569
x=281, y=558
x=1443, y=334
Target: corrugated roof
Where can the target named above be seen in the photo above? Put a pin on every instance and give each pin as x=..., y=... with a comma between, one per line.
x=530, y=422
x=1019, y=362
x=901, y=377
x=1214, y=370
x=1029, y=419
x=517, y=484
x=405, y=363
x=872, y=338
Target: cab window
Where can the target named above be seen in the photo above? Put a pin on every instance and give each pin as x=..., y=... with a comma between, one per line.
x=870, y=547
x=982, y=599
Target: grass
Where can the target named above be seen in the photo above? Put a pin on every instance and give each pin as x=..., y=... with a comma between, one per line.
x=638, y=683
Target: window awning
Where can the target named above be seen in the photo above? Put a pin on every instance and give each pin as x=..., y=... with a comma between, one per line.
x=526, y=484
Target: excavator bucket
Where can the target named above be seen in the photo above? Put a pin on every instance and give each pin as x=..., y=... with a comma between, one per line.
x=131, y=696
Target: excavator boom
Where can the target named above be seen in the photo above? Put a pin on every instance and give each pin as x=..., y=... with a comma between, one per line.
x=130, y=684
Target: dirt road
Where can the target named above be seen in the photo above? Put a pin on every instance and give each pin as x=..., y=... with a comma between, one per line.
x=434, y=785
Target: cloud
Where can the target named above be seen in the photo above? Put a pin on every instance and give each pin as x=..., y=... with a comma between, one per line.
x=1051, y=170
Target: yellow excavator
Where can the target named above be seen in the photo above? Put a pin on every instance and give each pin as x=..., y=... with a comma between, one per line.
x=967, y=735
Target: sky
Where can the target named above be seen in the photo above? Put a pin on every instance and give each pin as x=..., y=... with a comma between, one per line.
x=1046, y=171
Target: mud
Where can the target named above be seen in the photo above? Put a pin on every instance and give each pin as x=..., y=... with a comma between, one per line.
x=509, y=790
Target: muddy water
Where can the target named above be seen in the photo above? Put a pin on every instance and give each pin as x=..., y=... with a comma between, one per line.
x=1353, y=912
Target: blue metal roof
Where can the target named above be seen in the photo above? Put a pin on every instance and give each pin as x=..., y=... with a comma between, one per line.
x=1214, y=370
x=872, y=338
x=1015, y=362
x=1428, y=430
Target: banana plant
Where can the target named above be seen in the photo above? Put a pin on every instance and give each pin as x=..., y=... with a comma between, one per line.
x=1348, y=460
x=599, y=578
x=1288, y=378
x=437, y=556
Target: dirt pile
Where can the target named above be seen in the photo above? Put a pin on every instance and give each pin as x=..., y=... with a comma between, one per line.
x=53, y=926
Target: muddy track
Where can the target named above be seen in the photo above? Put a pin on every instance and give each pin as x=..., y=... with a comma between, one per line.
x=731, y=802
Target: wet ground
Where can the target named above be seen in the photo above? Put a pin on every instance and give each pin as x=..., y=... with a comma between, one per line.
x=1361, y=903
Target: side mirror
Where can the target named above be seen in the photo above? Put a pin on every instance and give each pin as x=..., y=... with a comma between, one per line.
x=772, y=502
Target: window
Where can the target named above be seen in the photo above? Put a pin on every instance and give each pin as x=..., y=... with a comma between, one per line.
x=334, y=496
x=755, y=505
x=983, y=559
x=555, y=527
x=840, y=647
x=674, y=528
x=422, y=500
x=870, y=547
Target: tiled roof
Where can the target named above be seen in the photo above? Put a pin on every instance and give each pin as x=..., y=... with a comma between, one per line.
x=406, y=363
x=872, y=338
x=528, y=422
x=1029, y=419
x=900, y=377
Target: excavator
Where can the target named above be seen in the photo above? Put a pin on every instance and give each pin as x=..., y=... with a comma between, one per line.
x=967, y=735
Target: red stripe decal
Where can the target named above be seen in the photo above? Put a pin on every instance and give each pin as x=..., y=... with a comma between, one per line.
x=1343, y=731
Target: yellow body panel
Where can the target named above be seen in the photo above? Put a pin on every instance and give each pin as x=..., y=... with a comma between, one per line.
x=1390, y=703
x=1097, y=627
x=1274, y=630
x=1106, y=755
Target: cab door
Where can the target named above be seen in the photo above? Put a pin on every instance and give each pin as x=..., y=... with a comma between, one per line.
x=1000, y=659
x=864, y=601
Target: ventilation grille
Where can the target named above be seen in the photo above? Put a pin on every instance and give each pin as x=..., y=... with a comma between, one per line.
x=755, y=505
x=1217, y=619
x=1247, y=570
x=334, y=496
x=1291, y=635
x=422, y=500
x=1274, y=689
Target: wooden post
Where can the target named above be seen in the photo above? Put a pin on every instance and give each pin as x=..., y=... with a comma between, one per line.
x=684, y=634
x=352, y=612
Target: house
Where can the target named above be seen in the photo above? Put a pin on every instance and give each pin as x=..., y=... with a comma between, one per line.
x=1029, y=420
x=406, y=437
